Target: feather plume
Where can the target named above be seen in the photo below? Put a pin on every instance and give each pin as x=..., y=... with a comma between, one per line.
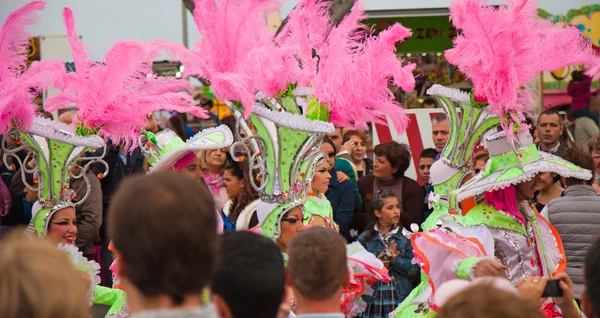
x=238, y=54
x=354, y=68
x=14, y=38
x=115, y=96
x=19, y=85
x=501, y=49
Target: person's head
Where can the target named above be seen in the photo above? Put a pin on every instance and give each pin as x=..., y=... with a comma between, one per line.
x=236, y=179
x=329, y=149
x=440, y=131
x=162, y=254
x=250, y=278
x=320, y=181
x=337, y=137
x=175, y=124
x=359, y=141
x=189, y=165
x=317, y=266
x=31, y=270
x=578, y=157
x=590, y=298
x=66, y=117
x=213, y=160
x=391, y=161
x=151, y=124
x=291, y=225
x=549, y=128
x=545, y=180
x=578, y=76
x=62, y=227
x=429, y=103
x=594, y=150
x=480, y=160
x=386, y=208
x=486, y=300
x=525, y=190
x=426, y=160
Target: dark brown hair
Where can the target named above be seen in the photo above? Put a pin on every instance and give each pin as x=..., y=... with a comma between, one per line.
x=164, y=228
x=376, y=205
x=249, y=194
x=317, y=263
x=578, y=157
x=396, y=153
x=485, y=300
x=348, y=134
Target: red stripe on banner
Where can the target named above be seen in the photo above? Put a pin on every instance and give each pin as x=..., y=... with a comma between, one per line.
x=383, y=133
x=415, y=141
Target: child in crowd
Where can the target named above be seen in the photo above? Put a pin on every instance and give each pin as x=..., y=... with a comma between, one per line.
x=384, y=239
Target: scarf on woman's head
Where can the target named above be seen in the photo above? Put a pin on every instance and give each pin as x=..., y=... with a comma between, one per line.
x=505, y=200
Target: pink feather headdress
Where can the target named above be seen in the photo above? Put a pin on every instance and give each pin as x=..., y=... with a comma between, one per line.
x=236, y=51
x=501, y=49
x=349, y=73
x=19, y=85
x=114, y=97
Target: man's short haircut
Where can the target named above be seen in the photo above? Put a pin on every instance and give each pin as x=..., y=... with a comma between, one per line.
x=550, y=112
x=164, y=227
x=430, y=101
x=578, y=157
x=592, y=276
x=317, y=263
x=439, y=118
x=430, y=153
x=485, y=300
x=250, y=276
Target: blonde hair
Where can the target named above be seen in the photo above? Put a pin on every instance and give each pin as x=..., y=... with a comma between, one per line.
x=38, y=280
x=202, y=154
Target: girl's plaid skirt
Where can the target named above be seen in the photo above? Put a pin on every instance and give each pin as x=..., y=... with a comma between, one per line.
x=384, y=300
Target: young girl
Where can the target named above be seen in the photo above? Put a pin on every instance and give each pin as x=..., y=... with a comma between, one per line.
x=384, y=239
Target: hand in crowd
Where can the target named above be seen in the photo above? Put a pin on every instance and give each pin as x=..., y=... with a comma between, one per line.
x=348, y=146
x=389, y=255
x=532, y=288
x=489, y=267
x=566, y=302
x=342, y=177
x=597, y=188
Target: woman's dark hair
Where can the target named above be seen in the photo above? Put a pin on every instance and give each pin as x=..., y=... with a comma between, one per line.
x=177, y=127
x=376, y=205
x=326, y=140
x=249, y=194
x=578, y=76
x=396, y=153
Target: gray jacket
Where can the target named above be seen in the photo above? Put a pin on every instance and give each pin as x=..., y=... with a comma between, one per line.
x=576, y=217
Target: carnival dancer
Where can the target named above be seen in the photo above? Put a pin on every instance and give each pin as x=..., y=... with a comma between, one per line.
x=486, y=54
x=57, y=150
x=290, y=88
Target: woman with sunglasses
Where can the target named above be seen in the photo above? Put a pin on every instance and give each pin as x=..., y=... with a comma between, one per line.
x=341, y=195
